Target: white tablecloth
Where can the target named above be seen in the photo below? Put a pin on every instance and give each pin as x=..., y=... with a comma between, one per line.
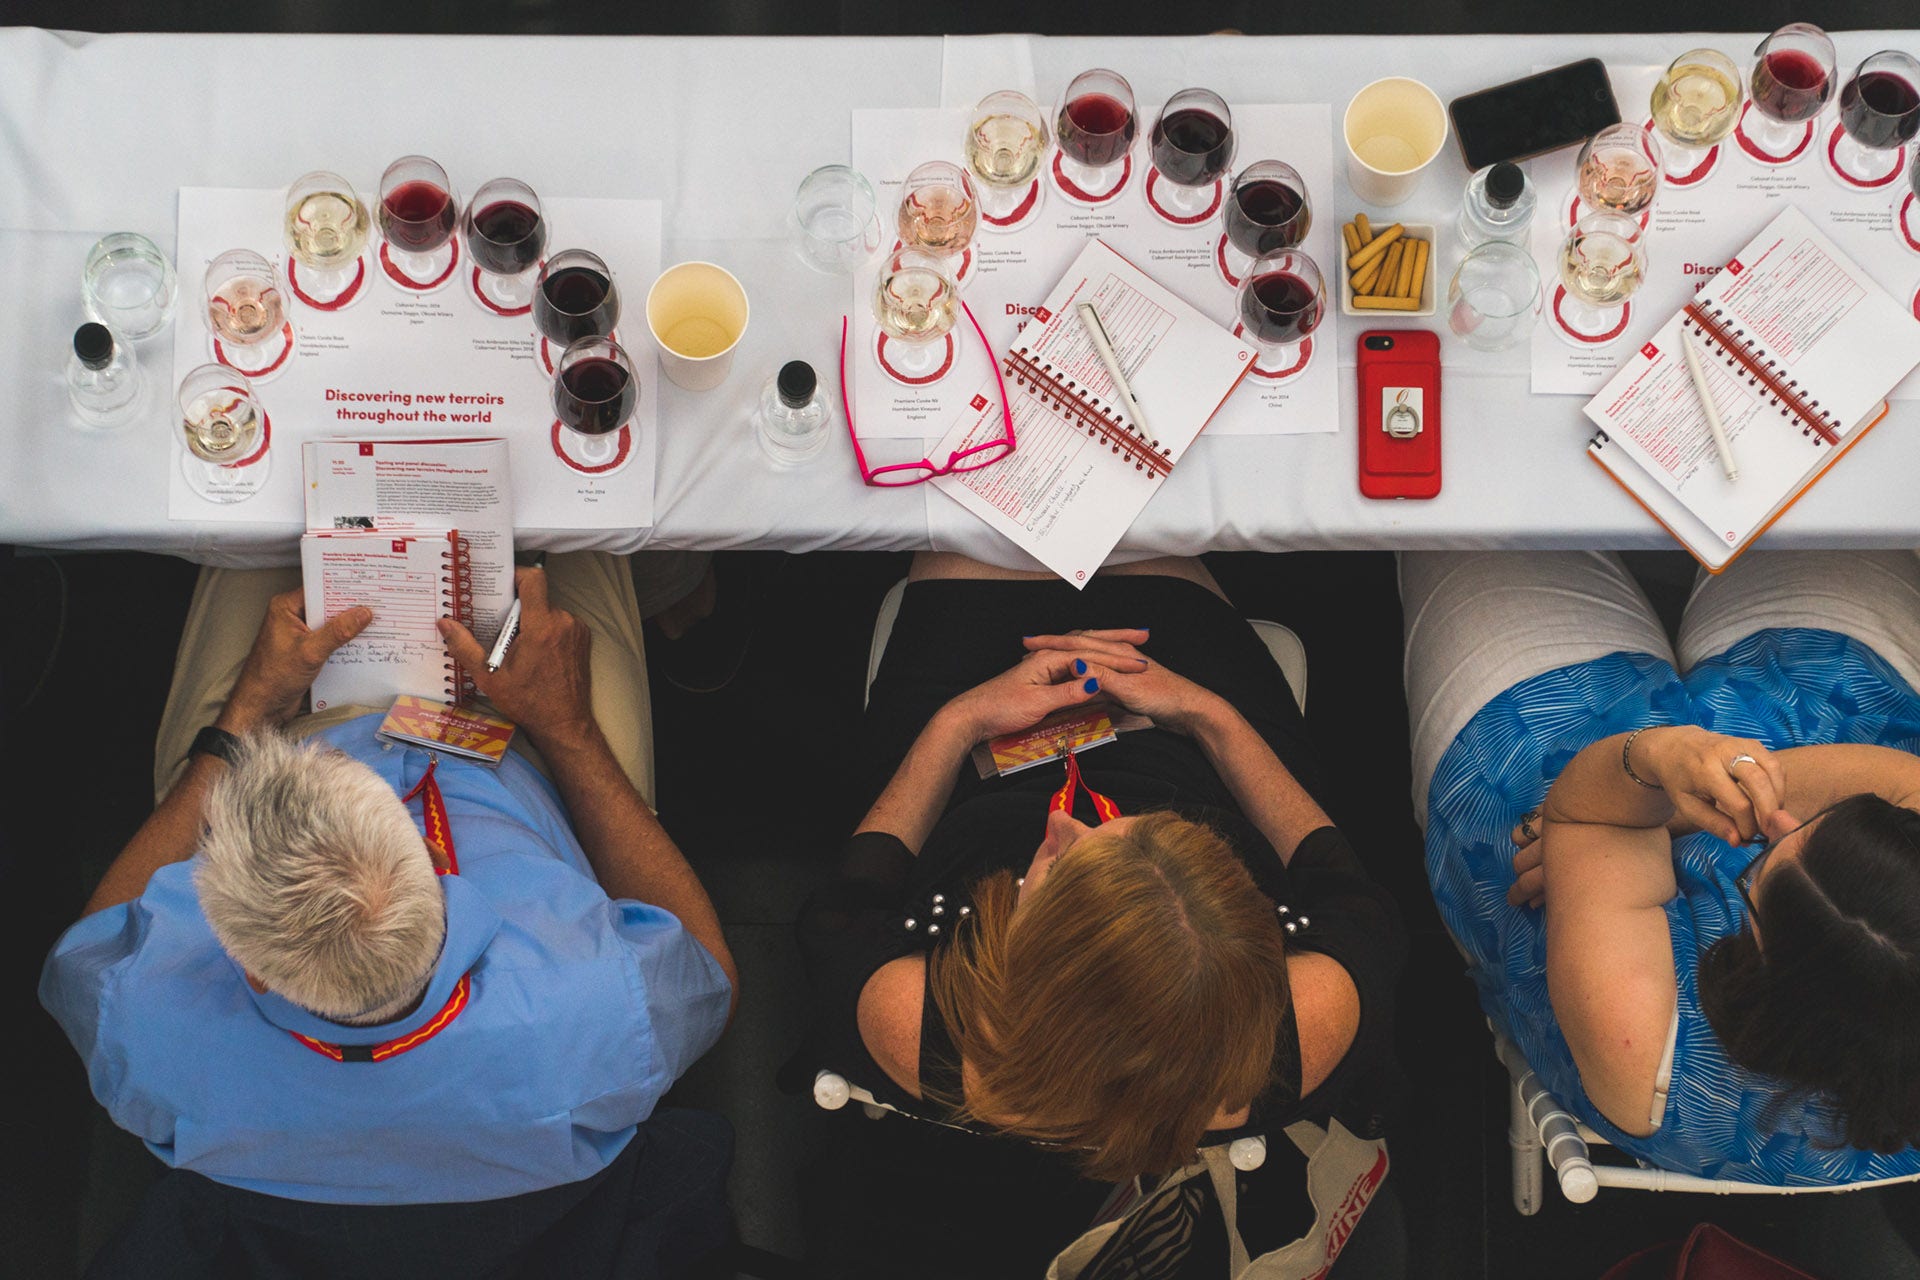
x=97, y=134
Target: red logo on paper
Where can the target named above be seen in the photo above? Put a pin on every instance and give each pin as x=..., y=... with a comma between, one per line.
x=1650, y=351
x=1734, y=267
x=366, y=448
x=1042, y=314
x=978, y=402
x=399, y=546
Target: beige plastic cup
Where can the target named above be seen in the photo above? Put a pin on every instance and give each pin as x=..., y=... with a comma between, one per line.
x=697, y=312
x=1393, y=129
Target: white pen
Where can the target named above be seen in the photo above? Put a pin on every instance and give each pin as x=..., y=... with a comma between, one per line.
x=1090, y=320
x=508, y=630
x=1720, y=440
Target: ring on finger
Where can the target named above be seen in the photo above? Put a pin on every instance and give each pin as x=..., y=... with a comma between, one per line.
x=1737, y=761
x=1526, y=825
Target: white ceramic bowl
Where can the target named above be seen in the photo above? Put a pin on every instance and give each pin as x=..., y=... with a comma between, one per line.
x=1419, y=231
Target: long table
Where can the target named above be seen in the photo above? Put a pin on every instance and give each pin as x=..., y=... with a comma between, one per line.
x=97, y=133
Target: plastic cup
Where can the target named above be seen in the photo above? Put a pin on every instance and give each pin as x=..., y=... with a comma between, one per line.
x=1393, y=130
x=697, y=312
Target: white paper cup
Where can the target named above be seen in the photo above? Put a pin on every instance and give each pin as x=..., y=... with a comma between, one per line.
x=1393, y=129
x=697, y=312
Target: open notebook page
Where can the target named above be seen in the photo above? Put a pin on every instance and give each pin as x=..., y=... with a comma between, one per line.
x=401, y=578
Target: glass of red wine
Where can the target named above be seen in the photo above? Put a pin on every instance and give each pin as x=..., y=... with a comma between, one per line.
x=594, y=394
x=1192, y=148
x=417, y=216
x=1791, y=82
x=1095, y=128
x=505, y=235
x=1879, y=113
x=1265, y=211
x=574, y=298
x=1282, y=300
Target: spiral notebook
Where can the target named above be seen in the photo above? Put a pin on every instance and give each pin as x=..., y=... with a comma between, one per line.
x=410, y=581
x=1082, y=470
x=1800, y=349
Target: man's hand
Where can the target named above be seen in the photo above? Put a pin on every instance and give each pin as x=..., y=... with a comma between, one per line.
x=544, y=684
x=286, y=657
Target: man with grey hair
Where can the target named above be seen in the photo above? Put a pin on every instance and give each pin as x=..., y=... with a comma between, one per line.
x=341, y=972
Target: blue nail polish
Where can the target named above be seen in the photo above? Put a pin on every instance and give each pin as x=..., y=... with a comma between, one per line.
x=1079, y=666
x=1092, y=686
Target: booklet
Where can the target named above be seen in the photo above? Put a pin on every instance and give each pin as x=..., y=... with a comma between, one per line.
x=458, y=731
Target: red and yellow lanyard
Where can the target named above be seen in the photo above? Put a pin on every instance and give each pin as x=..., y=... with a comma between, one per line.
x=1106, y=809
x=440, y=832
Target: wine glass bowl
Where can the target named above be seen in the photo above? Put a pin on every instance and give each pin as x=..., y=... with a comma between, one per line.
x=418, y=213
x=1265, y=210
x=1281, y=302
x=1792, y=80
x=1005, y=146
x=1192, y=146
x=246, y=314
x=575, y=297
x=937, y=209
x=1619, y=170
x=1603, y=262
x=833, y=222
x=915, y=303
x=224, y=429
x=1695, y=105
x=505, y=231
x=326, y=230
x=1879, y=114
x=595, y=391
x=1095, y=127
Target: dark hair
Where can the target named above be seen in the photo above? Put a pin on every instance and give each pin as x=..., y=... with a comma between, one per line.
x=1828, y=999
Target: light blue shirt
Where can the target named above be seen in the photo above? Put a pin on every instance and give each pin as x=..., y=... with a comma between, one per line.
x=583, y=1011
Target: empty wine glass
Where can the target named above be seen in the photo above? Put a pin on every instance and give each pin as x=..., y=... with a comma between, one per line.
x=224, y=429
x=1619, y=170
x=246, y=314
x=1282, y=301
x=833, y=223
x=937, y=209
x=1192, y=147
x=1095, y=127
x=505, y=233
x=575, y=297
x=915, y=302
x=1265, y=211
x=1791, y=82
x=1603, y=262
x=418, y=214
x=326, y=231
x=1879, y=114
x=128, y=285
x=1005, y=145
x=1695, y=105
x=594, y=394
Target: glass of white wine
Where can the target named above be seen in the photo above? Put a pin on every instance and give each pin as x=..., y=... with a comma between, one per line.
x=326, y=234
x=1619, y=170
x=1005, y=145
x=916, y=303
x=1603, y=262
x=225, y=432
x=246, y=315
x=1695, y=106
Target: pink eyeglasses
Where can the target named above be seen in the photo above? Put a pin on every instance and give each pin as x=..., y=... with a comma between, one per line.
x=900, y=474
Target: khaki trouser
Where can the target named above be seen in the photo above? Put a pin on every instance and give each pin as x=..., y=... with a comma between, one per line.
x=597, y=588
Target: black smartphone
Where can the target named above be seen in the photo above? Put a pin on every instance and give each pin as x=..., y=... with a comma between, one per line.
x=1532, y=116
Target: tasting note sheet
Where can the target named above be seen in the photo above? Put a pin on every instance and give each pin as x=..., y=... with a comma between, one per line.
x=432, y=365
x=401, y=578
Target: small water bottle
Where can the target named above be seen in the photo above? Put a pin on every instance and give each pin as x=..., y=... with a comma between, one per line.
x=102, y=379
x=795, y=415
x=1499, y=206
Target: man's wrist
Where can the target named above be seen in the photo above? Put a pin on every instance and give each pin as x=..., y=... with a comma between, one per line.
x=241, y=715
x=567, y=737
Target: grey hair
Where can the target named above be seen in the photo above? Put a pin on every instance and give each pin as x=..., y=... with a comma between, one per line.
x=314, y=877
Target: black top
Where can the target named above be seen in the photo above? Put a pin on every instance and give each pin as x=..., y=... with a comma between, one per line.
x=1505, y=182
x=796, y=383
x=93, y=343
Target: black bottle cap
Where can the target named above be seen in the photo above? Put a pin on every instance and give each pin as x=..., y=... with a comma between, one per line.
x=1505, y=182
x=796, y=383
x=93, y=343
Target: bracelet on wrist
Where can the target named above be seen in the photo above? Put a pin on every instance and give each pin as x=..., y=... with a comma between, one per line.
x=1626, y=759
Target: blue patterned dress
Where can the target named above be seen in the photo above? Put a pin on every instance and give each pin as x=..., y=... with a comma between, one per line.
x=1786, y=688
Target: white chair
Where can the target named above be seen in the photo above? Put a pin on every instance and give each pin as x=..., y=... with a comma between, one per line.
x=833, y=1091
x=1543, y=1135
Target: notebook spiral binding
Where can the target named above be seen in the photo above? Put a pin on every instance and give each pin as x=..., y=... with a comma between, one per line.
x=1743, y=354
x=1084, y=410
x=457, y=596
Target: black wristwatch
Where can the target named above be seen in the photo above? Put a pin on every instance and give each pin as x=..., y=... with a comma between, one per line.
x=214, y=742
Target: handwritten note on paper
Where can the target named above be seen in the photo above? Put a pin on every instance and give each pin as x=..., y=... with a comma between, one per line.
x=402, y=579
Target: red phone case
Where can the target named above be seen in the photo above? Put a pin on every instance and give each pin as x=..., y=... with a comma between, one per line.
x=1401, y=388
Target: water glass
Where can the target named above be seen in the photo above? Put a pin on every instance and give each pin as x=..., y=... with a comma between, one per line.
x=128, y=285
x=833, y=223
x=1494, y=297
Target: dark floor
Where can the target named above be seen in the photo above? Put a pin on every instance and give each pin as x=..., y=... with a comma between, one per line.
x=78, y=769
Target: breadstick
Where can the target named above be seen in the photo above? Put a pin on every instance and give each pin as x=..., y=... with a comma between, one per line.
x=1375, y=247
x=1390, y=269
x=1407, y=260
x=1363, y=280
x=1351, y=235
x=1419, y=283
x=1365, y=227
x=1374, y=302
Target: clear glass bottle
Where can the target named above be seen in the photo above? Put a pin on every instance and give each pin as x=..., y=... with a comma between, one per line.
x=102, y=379
x=1499, y=206
x=795, y=414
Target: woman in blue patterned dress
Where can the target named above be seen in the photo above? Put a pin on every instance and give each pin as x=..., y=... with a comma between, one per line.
x=1686, y=876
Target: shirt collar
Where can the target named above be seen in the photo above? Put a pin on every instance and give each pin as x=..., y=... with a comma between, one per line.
x=471, y=924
